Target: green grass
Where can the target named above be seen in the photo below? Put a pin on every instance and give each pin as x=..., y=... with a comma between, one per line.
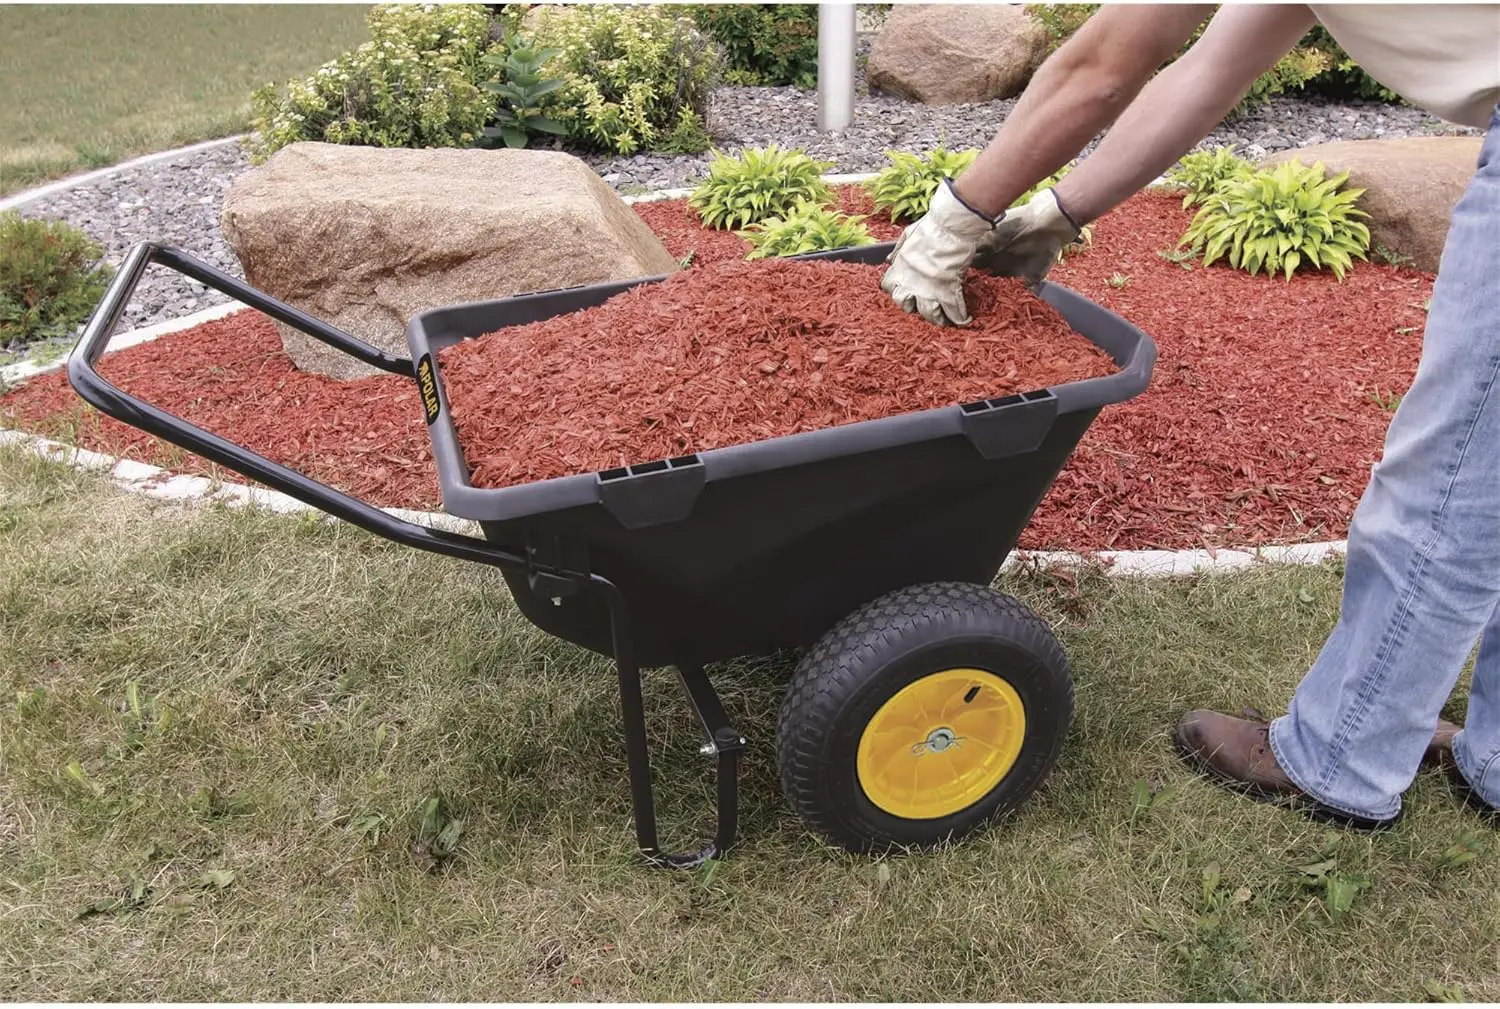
x=219, y=731
x=88, y=86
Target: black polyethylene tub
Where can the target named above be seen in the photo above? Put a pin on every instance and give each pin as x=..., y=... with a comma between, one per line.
x=765, y=545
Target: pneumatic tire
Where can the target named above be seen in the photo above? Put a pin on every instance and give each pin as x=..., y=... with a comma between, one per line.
x=923, y=716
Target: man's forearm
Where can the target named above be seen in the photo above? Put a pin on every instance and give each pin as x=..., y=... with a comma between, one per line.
x=1075, y=95
x=1182, y=106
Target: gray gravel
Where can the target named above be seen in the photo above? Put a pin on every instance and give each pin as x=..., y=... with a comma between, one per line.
x=178, y=201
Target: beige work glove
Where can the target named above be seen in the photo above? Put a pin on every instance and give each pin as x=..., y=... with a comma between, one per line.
x=926, y=271
x=1027, y=240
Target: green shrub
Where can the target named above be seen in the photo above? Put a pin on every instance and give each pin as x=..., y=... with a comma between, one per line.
x=808, y=227
x=1294, y=70
x=764, y=43
x=1281, y=219
x=759, y=184
x=638, y=77
x=905, y=186
x=523, y=93
x=1344, y=78
x=51, y=277
x=1201, y=171
x=414, y=84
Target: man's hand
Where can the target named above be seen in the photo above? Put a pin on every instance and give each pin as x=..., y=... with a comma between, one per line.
x=926, y=271
x=1027, y=240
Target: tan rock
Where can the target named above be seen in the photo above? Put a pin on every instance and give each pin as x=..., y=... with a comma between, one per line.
x=946, y=54
x=1411, y=187
x=364, y=238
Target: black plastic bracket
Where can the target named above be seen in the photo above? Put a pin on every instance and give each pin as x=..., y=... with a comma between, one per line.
x=1009, y=425
x=652, y=493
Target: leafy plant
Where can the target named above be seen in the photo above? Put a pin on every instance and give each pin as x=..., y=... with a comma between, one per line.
x=1282, y=219
x=437, y=834
x=51, y=277
x=638, y=77
x=1201, y=172
x=905, y=186
x=1344, y=78
x=414, y=84
x=1294, y=70
x=807, y=228
x=771, y=44
x=759, y=184
x=522, y=111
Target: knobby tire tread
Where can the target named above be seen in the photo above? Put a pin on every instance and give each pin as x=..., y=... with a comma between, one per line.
x=827, y=676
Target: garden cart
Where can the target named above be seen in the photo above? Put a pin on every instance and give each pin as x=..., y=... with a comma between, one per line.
x=926, y=703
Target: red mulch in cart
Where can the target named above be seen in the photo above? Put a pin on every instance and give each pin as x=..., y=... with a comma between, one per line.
x=1267, y=409
x=732, y=352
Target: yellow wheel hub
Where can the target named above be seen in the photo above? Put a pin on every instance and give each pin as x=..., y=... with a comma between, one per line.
x=941, y=743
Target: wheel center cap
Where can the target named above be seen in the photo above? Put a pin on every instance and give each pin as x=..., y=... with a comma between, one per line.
x=937, y=741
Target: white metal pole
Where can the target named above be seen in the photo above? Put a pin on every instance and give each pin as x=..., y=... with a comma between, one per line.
x=835, y=66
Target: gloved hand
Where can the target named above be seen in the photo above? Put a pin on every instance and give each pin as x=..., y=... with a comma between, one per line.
x=1027, y=240
x=926, y=271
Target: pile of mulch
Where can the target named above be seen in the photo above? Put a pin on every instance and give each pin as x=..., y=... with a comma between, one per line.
x=732, y=352
x=232, y=378
x=1268, y=407
x=682, y=231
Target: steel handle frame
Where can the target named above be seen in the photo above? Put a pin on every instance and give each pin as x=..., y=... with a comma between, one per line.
x=93, y=388
x=97, y=391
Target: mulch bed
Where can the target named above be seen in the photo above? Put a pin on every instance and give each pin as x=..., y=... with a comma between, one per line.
x=732, y=352
x=1268, y=407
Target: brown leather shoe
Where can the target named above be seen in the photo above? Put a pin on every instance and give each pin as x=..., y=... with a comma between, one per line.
x=1440, y=750
x=1440, y=755
x=1237, y=752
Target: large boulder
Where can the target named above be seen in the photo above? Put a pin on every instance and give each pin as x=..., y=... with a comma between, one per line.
x=1411, y=186
x=364, y=238
x=947, y=54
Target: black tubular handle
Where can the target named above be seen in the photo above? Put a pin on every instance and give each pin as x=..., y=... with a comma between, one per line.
x=114, y=402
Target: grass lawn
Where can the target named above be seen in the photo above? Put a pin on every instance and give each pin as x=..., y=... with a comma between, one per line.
x=91, y=85
x=219, y=730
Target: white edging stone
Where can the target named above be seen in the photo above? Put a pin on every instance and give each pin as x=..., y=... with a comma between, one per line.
x=64, y=184
x=162, y=485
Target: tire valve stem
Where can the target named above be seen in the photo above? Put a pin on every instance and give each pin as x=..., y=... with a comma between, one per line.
x=973, y=693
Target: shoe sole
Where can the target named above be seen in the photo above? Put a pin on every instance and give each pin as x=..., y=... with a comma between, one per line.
x=1298, y=802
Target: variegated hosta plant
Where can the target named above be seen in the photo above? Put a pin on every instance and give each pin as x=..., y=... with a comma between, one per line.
x=905, y=186
x=808, y=228
x=760, y=184
x=1201, y=172
x=1281, y=220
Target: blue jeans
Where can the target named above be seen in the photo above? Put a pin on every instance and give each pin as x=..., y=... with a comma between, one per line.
x=1422, y=576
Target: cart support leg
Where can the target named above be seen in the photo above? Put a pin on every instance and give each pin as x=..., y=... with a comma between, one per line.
x=724, y=742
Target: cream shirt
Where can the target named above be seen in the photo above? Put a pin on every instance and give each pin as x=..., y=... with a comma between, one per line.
x=1444, y=58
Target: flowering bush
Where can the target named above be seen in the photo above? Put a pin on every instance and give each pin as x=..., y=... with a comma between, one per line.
x=414, y=84
x=639, y=77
